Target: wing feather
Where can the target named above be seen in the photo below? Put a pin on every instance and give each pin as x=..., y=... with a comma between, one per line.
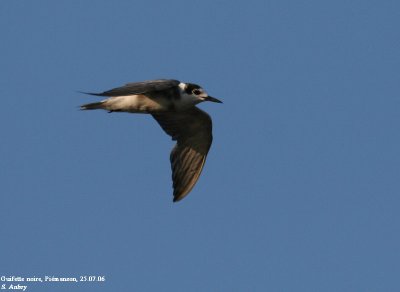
x=140, y=87
x=192, y=129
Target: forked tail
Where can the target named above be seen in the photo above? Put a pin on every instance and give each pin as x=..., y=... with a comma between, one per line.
x=92, y=106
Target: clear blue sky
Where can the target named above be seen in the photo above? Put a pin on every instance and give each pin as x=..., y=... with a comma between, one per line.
x=301, y=188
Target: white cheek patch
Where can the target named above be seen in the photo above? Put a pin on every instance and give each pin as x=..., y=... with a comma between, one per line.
x=188, y=97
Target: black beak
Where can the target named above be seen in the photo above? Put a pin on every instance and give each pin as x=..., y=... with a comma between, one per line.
x=213, y=99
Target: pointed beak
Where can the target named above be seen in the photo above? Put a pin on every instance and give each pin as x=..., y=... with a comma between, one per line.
x=213, y=99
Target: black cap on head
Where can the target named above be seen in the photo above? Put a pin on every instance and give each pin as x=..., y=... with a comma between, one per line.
x=190, y=86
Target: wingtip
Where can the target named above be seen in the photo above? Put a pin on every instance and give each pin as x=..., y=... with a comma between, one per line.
x=178, y=198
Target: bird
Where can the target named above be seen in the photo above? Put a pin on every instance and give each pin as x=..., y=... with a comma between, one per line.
x=172, y=104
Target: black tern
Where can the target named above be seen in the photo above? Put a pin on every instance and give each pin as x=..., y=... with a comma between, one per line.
x=173, y=105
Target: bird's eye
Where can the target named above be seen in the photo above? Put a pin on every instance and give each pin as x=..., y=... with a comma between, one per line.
x=196, y=91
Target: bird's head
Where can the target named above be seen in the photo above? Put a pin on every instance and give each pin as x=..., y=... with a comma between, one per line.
x=195, y=93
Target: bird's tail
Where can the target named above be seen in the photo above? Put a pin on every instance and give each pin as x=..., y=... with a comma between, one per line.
x=92, y=106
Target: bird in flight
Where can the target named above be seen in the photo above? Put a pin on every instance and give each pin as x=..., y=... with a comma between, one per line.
x=173, y=105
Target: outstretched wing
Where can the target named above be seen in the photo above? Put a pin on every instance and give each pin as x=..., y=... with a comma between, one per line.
x=192, y=129
x=140, y=87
